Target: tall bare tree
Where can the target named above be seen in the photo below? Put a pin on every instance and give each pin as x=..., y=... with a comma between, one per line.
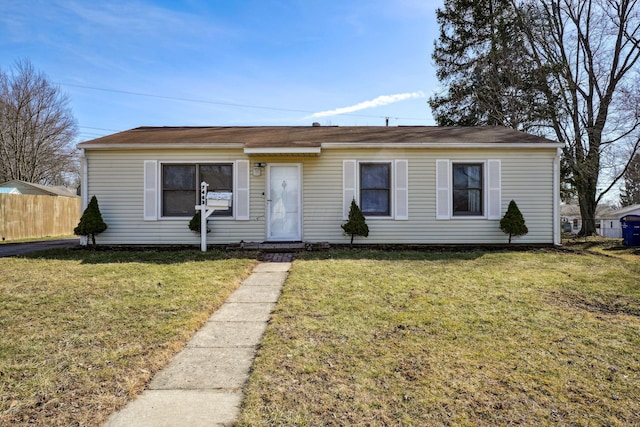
x=593, y=48
x=36, y=129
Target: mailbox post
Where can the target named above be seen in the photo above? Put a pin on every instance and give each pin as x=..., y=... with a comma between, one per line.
x=210, y=202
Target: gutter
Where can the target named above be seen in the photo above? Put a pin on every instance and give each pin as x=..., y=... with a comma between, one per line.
x=84, y=190
x=158, y=146
x=84, y=179
x=557, y=240
x=285, y=149
x=443, y=145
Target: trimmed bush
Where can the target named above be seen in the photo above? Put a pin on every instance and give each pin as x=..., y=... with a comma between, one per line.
x=512, y=223
x=91, y=222
x=356, y=224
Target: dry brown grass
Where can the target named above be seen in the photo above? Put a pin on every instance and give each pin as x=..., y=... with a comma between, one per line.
x=83, y=331
x=602, y=246
x=469, y=338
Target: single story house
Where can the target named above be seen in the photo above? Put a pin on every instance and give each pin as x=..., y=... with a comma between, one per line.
x=414, y=184
x=609, y=221
x=571, y=218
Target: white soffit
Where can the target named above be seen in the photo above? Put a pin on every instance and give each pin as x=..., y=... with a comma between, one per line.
x=309, y=151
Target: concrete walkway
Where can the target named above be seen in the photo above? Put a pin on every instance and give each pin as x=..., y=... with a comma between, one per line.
x=202, y=385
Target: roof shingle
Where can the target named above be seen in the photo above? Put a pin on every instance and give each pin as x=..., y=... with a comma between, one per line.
x=314, y=136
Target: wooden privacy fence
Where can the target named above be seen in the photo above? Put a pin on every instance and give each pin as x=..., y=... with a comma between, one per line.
x=25, y=216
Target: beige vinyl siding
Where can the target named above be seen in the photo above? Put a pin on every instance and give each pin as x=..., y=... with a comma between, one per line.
x=526, y=177
x=116, y=178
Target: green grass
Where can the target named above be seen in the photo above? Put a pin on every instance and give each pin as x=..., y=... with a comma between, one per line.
x=539, y=337
x=83, y=331
x=358, y=337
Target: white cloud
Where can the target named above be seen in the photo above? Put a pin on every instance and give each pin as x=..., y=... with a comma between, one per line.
x=377, y=102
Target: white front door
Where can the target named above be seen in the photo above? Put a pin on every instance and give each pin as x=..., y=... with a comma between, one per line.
x=284, y=209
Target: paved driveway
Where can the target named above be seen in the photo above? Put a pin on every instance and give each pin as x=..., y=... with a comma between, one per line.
x=15, y=249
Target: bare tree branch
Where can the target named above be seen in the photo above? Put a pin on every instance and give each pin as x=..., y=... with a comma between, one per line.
x=36, y=129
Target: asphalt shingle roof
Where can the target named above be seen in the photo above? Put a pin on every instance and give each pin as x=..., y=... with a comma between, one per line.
x=314, y=136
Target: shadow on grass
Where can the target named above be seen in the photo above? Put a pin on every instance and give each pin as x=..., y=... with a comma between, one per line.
x=621, y=248
x=160, y=255
x=602, y=246
x=427, y=253
x=181, y=254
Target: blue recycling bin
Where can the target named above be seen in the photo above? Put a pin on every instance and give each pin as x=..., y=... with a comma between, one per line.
x=630, y=230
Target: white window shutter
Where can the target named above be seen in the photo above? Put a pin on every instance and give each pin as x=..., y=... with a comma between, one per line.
x=494, y=196
x=401, y=187
x=443, y=192
x=150, y=190
x=349, y=180
x=241, y=189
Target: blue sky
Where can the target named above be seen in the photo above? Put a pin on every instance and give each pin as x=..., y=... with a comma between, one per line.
x=229, y=63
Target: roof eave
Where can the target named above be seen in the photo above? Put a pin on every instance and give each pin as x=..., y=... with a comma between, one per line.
x=315, y=150
x=309, y=151
x=444, y=145
x=158, y=146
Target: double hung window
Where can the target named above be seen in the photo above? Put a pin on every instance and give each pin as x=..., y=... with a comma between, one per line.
x=380, y=188
x=181, y=186
x=375, y=189
x=468, y=189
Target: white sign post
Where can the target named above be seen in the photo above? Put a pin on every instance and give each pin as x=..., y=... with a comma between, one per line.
x=210, y=202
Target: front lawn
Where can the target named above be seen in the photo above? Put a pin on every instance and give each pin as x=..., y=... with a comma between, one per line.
x=84, y=331
x=377, y=338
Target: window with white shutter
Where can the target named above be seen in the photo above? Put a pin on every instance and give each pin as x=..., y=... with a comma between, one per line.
x=380, y=188
x=172, y=190
x=469, y=189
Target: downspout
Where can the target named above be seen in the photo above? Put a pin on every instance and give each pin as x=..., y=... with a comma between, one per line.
x=83, y=179
x=557, y=241
x=84, y=191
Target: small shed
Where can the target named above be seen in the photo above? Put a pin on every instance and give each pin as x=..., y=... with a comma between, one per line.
x=9, y=190
x=22, y=187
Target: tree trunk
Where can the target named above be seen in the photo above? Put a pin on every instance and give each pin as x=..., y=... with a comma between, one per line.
x=588, y=213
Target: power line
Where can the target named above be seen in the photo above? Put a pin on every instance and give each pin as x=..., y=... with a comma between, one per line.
x=174, y=98
x=228, y=104
x=107, y=130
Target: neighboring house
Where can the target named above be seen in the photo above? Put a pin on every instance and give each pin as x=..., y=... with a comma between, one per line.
x=415, y=184
x=571, y=218
x=609, y=220
x=22, y=187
